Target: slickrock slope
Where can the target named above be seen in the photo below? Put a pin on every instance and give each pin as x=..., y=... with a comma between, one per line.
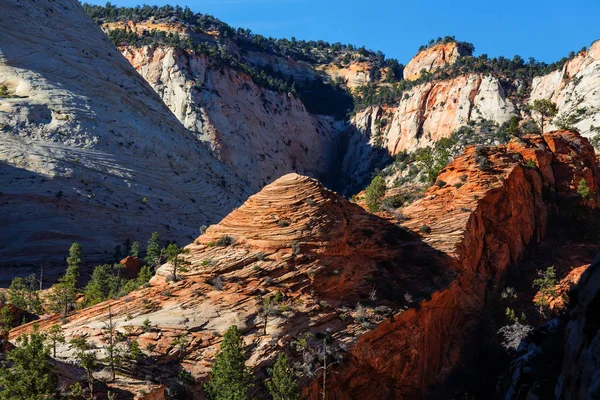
x=259, y=133
x=88, y=152
x=574, y=89
x=324, y=254
x=434, y=57
x=421, y=298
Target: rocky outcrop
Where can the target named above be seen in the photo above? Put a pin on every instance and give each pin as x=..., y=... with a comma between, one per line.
x=574, y=89
x=88, y=152
x=434, y=57
x=403, y=305
x=354, y=74
x=434, y=110
x=580, y=373
x=259, y=133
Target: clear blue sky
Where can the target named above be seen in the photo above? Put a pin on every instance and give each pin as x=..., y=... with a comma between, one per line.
x=546, y=30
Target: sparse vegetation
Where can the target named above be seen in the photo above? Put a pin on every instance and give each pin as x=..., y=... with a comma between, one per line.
x=545, y=283
x=374, y=192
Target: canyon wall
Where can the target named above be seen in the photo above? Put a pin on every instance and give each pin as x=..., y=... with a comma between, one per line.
x=259, y=133
x=575, y=90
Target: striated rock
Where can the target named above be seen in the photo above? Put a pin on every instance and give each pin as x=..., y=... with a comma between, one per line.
x=574, y=89
x=88, y=152
x=433, y=110
x=434, y=57
x=259, y=133
x=326, y=256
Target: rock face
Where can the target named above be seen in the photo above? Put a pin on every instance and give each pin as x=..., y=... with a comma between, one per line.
x=434, y=110
x=429, y=341
x=580, y=376
x=403, y=305
x=559, y=359
x=259, y=133
x=574, y=89
x=88, y=152
x=434, y=57
x=355, y=74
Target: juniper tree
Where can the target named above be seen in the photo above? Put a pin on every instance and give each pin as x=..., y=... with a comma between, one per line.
x=270, y=307
x=135, y=352
x=229, y=378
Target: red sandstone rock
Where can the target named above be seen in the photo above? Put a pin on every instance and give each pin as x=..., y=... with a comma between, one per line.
x=131, y=267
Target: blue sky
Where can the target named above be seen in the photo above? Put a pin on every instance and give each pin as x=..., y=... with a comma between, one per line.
x=546, y=30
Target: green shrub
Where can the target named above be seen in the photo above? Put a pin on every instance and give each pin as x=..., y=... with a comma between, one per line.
x=374, y=192
x=225, y=241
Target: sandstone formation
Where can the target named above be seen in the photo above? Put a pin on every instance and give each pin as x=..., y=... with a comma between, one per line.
x=574, y=89
x=434, y=110
x=354, y=74
x=259, y=133
x=88, y=151
x=434, y=57
x=402, y=305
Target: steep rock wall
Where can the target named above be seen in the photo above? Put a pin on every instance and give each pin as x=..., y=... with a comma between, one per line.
x=260, y=134
x=575, y=87
x=485, y=227
x=424, y=115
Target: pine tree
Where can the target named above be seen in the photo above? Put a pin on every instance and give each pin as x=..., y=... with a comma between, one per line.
x=153, y=250
x=546, y=109
x=6, y=323
x=55, y=336
x=111, y=338
x=29, y=374
x=135, y=249
x=63, y=294
x=282, y=385
x=135, y=352
x=88, y=360
x=146, y=273
x=174, y=256
x=229, y=379
x=74, y=261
